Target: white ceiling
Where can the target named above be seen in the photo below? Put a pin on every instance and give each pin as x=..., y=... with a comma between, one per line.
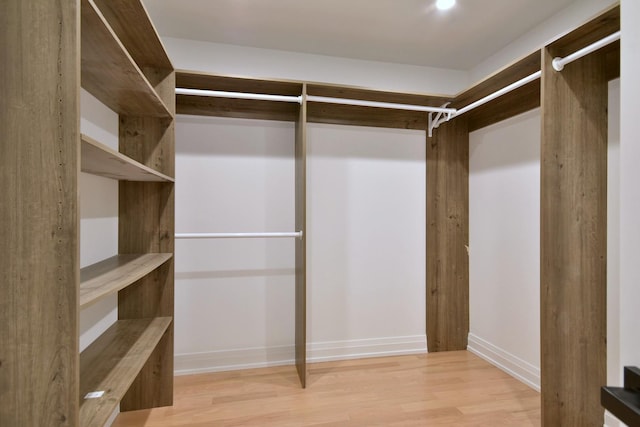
x=401, y=31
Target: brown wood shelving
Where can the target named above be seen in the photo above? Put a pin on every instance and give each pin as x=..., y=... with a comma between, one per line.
x=113, y=274
x=112, y=362
x=98, y=159
x=110, y=73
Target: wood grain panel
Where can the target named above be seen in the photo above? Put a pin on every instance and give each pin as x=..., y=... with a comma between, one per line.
x=517, y=102
x=448, y=237
x=573, y=241
x=370, y=116
x=131, y=23
x=237, y=108
x=146, y=225
x=111, y=363
x=116, y=273
x=110, y=74
x=366, y=116
x=301, y=244
x=39, y=266
x=337, y=91
x=509, y=105
x=149, y=141
x=197, y=80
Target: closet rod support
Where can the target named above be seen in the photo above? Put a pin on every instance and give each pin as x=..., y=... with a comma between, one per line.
x=239, y=95
x=559, y=63
x=435, y=122
x=297, y=234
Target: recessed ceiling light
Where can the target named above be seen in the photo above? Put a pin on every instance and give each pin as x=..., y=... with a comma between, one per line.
x=445, y=4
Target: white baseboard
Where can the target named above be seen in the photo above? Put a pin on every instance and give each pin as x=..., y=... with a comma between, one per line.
x=232, y=360
x=248, y=358
x=514, y=366
x=360, y=349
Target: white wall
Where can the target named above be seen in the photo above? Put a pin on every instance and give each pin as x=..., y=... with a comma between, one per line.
x=574, y=15
x=98, y=215
x=504, y=237
x=629, y=189
x=613, y=242
x=98, y=219
x=265, y=63
x=504, y=242
x=366, y=253
x=235, y=298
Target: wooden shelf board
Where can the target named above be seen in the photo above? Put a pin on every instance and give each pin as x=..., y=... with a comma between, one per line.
x=238, y=108
x=335, y=91
x=98, y=159
x=519, y=101
x=116, y=273
x=112, y=362
x=109, y=73
x=197, y=80
x=130, y=21
x=340, y=114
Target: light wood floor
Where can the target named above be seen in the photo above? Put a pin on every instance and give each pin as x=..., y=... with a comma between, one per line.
x=438, y=389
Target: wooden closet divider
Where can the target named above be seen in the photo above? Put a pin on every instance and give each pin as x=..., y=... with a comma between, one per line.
x=301, y=243
x=573, y=225
x=573, y=257
x=39, y=161
x=448, y=237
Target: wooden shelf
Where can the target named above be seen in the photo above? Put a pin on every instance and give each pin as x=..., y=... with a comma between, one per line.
x=110, y=74
x=116, y=273
x=112, y=362
x=98, y=159
x=130, y=21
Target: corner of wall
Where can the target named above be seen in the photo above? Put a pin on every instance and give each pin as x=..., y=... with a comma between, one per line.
x=512, y=365
x=568, y=18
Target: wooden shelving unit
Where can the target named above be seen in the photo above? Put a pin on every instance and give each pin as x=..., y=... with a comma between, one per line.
x=112, y=362
x=98, y=159
x=124, y=65
x=113, y=274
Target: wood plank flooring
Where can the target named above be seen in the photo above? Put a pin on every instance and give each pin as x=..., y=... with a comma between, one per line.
x=437, y=389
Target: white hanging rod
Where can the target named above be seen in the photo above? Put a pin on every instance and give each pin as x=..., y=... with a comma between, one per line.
x=358, y=102
x=499, y=93
x=324, y=99
x=297, y=234
x=239, y=95
x=559, y=63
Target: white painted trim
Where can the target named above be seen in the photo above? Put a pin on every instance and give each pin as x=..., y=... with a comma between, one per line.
x=512, y=365
x=260, y=357
x=232, y=360
x=360, y=349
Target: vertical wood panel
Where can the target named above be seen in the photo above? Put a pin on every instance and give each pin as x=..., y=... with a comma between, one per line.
x=573, y=241
x=146, y=224
x=39, y=266
x=301, y=244
x=447, y=237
